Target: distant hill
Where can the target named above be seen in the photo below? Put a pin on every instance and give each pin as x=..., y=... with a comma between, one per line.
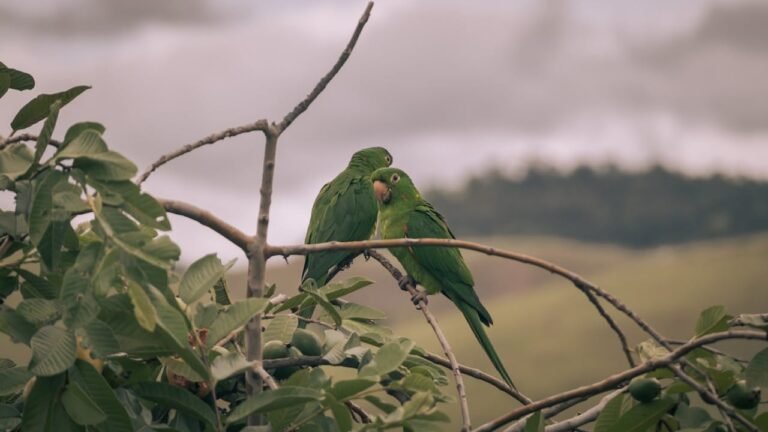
x=607, y=205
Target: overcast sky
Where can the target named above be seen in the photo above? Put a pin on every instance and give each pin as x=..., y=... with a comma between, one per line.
x=450, y=88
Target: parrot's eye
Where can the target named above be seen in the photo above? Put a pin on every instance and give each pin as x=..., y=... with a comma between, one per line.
x=395, y=178
x=388, y=159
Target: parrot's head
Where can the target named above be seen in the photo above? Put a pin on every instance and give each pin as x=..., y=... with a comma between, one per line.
x=392, y=185
x=371, y=158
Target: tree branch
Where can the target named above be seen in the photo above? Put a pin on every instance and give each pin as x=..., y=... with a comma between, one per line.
x=25, y=137
x=422, y=305
x=259, y=125
x=257, y=267
x=266, y=377
x=208, y=219
x=612, y=324
x=620, y=378
x=303, y=105
x=587, y=416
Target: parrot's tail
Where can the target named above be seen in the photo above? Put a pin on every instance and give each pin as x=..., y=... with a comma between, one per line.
x=473, y=319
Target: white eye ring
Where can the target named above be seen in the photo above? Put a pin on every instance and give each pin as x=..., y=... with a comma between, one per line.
x=395, y=178
x=388, y=159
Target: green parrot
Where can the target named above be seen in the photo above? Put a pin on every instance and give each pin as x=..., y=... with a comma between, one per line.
x=344, y=210
x=404, y=213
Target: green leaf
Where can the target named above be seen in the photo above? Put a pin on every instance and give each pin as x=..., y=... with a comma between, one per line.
x=757, y=370
x=221, y=294
x=178, y=399
x=12, y=380
x=535, y=423
x=266, y=401
x=53, y=351
x=691, y=417
x=43, y=211
x=340, y=413
x=340, y=289
x=145, y=313
x=76, y=129
x=15, y=326
x=281, y=328
x=101, y=339
x=233, y=317
x=108, y=165
x=310, y=288
x=38, y=286
x=642, y=416
x=226, y=365
x=761, y=422
x=175, y=333
x=86, y=143
x=47, y=131
x=80, y=407
x=201, y=276
x=358, y=311
x=388, y=358
x=19, y=80
x=39, y=311
x=97, y=388
x=39, y=107
x=38, y=408
x=10, y=418
x=142, y=206
x=711, y=320
x=610, y=414
x=15, y=160
x=347, y=389
x=5, y=82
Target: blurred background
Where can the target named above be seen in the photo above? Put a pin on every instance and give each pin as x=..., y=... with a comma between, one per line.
x=625, y=140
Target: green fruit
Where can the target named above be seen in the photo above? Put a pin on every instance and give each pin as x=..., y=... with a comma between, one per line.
x=743, y=397
x=285, y=372
x=644, y=389
x=275, y=350
x=307, y=342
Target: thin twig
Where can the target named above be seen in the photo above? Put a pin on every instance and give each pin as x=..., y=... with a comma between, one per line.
x=303, y=105
x=422, y=305
x=710, y=349
x=208, y=219
x=363, y=416
x=266, y=377
x=25, y=137
x=477, y=373
x=612, y=324
x=260, y=125
x=612, y=381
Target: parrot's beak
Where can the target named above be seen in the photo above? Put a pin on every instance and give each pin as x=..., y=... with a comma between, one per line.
x=382, y=192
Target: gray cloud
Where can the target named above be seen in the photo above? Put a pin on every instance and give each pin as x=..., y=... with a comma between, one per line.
x=449, y=89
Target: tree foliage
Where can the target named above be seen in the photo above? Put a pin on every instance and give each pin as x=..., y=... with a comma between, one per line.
x=607, y=205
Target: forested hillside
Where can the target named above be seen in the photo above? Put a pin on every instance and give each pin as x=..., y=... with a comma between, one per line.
x=607, y=205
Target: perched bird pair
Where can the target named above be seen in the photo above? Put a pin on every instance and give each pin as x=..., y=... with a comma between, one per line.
x=346, y=209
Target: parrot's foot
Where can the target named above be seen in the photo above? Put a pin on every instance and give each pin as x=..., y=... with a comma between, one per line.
x=367, y=254
x=420, y=297
x=405, y=282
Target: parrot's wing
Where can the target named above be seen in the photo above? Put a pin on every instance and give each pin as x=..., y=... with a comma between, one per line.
x=345, y=210
x=444, y=263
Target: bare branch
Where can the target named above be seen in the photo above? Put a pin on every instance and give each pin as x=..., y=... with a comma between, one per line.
x=25, y=137
x=586, y=417
x=208, y=219
x=482, y=376
x=363, y=416
x=612, y=324
x=266, y=377
x=257, y=267
x=303, y=105
x=260, y=125
x=422, y=305
x=620, y=378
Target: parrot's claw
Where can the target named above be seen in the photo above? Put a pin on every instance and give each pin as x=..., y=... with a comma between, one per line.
x=406, y=282
x=367, y=254
x=420, y=297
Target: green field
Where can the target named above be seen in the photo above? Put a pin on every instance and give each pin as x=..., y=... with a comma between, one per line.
x=547, y=332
